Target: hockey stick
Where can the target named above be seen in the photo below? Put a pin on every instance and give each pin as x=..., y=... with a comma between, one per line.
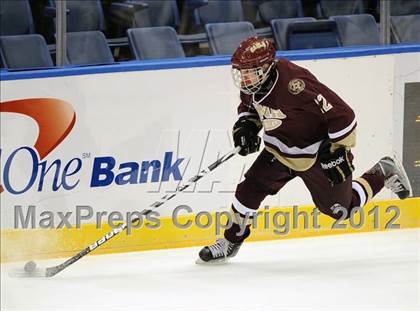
x=30, y=269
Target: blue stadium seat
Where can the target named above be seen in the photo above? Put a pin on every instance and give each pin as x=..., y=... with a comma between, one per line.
x=15, y=18
x=405, y=7
x=224, y=38
x=274, y=9
x=279, y=27
x=84, y=15
x=25, y=52
x=406, y=29
x=193, y=4
x=312, y=35
x=217, y=11
x=327, y=8
x=154, y=43
x=88, y=48
x=158, y=13
x=250, y=10
x=358, y=29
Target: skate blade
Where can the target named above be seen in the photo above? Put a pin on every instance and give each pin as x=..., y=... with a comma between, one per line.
x=20, y=273
x=215, y=262
x=402, y=171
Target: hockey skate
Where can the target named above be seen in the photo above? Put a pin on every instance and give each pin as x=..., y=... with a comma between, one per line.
x=395, y=177
x=218, y=252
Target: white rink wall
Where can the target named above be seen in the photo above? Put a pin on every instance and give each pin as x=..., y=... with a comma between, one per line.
x=141, y=115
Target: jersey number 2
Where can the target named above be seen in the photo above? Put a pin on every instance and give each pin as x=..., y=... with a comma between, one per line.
x=323, y=104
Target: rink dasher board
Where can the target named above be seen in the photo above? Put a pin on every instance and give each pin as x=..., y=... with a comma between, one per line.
x=156, y=114
x=390, y=215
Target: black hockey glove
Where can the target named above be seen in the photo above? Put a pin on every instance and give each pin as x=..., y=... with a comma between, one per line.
x=245, y=135
x=337, y=166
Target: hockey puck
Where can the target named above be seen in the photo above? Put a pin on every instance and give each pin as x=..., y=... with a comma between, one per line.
x=30, y=267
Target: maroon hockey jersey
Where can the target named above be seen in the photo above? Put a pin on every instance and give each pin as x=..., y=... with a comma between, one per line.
x=297, y=114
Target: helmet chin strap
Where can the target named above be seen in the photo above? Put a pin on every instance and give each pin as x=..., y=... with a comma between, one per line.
x=269, y=80
x=267, y=74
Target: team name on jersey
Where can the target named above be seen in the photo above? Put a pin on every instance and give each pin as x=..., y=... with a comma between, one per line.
x=270, y=118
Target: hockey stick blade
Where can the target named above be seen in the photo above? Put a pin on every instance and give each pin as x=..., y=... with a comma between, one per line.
x=21, y=273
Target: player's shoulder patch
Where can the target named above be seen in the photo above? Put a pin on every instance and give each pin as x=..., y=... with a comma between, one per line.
x=296, y=86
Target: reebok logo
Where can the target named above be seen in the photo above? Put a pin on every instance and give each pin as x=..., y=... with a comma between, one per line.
x=333, y=163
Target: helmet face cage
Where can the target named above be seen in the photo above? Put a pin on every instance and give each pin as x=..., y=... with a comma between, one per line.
x=249, y=81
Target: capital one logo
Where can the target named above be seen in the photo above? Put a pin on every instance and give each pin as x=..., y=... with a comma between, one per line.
x=55, y=119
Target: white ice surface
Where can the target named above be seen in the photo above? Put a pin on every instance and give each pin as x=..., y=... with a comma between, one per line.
x=369, y=271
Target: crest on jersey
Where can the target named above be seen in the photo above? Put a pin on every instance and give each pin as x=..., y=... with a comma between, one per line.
x=296, y=86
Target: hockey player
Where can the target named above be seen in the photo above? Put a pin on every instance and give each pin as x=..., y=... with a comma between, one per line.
x=308, y=132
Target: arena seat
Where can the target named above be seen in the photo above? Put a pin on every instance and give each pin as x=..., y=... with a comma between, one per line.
x=25, y=52
x=158, y=13
x=88, y=48
x=250, y=11
x=16, y=18
x=83, y=15
x=224, y=38
x=406, y=28
x=273, y=9
x=193, y=4
x=312, y=35
x=405, y=7
x=154, y=43
x=88, y=15
x=216, y=11
x=358, y=29
x=279, y=27
x=327, y=8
